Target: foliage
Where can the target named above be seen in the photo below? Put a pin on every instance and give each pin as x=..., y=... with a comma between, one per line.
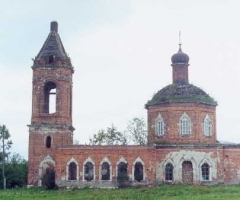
x=164, y=192
x=48, y=179
x=4, y=134
x=15, y=172
x=109, y=137
x=123, y=179
x=137, y=131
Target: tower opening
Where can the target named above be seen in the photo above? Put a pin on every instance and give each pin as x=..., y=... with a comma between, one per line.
x=48, y=141
x=51, y=59
x=50, y=98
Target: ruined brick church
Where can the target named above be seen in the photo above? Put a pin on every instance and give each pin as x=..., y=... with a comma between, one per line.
x=182, y=145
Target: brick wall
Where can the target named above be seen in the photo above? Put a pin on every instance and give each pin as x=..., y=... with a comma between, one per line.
x=171, y=114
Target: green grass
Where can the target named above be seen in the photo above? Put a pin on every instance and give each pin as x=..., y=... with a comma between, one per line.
x=165, y=192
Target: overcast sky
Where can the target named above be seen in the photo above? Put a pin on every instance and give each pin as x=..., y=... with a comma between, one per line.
x=121, y=51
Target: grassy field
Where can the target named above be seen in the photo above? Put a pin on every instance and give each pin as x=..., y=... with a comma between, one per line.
x=166, y=192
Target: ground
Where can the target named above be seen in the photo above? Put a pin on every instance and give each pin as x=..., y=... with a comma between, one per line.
x=164, y=192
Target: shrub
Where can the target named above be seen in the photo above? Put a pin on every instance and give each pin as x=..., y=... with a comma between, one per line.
x=48, y=180
x=123, y=180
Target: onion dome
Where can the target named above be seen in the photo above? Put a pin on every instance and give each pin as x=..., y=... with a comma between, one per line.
x=180, y=57
x=181, y=93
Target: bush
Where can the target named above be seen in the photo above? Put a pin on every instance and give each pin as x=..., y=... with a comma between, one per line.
x=123, y=180
x=48, y=180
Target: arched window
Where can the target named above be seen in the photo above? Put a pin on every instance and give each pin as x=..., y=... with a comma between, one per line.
x=105, y=173
x=205, y=172
x=72, y=171
x=138, y=172
x=159, y=126
x=88, y=171
x=185, y=125
x=49, y=98
x=48, y=141
x=169, y=172
x=122, y=169
x=207, y=126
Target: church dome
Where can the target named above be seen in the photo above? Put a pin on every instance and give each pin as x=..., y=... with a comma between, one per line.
x=180, y=57
x=181, y=93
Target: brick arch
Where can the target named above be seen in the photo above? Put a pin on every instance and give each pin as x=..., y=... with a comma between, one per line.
x=169, y=161
x=138, y=161
x=72, y=160
x=210, y=164
x=105, y=160
x=122, y=160
x=46, y=163
x=89, y=160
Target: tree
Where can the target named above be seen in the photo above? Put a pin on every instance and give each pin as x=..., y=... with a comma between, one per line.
x=6, y=145
x=137, y=131
x=109, y=137
x=15, y=171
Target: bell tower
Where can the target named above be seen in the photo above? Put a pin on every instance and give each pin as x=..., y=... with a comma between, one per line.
x=51, y=121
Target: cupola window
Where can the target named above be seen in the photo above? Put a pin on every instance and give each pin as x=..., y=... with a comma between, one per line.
x=185, y=125
x=159, y=126
x=207, y=126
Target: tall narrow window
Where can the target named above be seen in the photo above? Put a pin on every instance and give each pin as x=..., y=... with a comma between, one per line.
x=49, y=98
x=138, y=172
x=205, y=172
x=185, y=125
x=52, y=104
x=159, y=125
x=48, y=141
x=105, y=171
x=122, y=170
x=207, y=126
x=88, y=171
x=72, y=171
x=169, y=172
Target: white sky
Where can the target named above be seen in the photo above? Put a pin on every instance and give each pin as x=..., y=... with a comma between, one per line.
x=121, y=52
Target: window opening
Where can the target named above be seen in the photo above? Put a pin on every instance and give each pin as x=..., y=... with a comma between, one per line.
x=159, y=126
x=88, y=171
x=122, y=170
x=207, y=126
x=50, y=98
x=169, y=172
x=205, y=172
x=138, y=172
x=51, y=59
x=48, y=141
x=72, y=171
x=185, y=125
x=105, y=171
